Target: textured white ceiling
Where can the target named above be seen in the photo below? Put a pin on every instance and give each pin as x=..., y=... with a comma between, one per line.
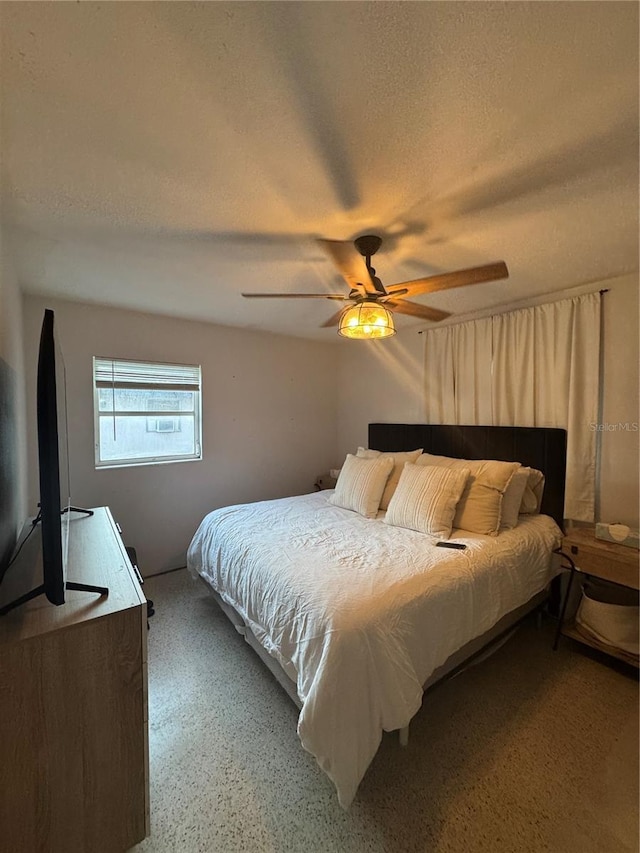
x=167, y=156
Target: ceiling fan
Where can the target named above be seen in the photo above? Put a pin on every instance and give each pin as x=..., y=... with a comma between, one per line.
x=370, y=315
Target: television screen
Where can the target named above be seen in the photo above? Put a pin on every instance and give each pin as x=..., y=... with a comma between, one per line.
x=55, y=490
x=48, y=389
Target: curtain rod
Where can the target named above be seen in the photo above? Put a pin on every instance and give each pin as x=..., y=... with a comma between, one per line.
x=505, y=309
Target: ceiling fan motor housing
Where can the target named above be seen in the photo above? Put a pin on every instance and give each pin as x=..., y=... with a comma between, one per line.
x=368, y=244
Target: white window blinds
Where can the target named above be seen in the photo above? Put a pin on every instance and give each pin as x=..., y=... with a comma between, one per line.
x=115, y=373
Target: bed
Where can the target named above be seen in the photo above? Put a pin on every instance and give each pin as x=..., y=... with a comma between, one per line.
x=356, y=617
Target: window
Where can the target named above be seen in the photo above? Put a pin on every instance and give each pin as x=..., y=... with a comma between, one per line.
x=145, y=413
x=163, y=424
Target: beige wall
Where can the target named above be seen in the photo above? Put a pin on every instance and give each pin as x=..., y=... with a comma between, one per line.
x=383, y=381
x=619, y=457
x=13, y=464
x=378, y=381
x=269, y=420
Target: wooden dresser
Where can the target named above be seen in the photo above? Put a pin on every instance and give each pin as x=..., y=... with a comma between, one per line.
x=73, y=702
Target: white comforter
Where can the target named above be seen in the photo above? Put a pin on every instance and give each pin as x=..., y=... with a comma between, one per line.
x=360, y=613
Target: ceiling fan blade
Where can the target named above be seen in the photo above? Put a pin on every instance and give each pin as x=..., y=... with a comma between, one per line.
x=432, y=283
x=422, y=311
x=394, y=294
x=340, y=296
x=350, y=264
x=333, y=320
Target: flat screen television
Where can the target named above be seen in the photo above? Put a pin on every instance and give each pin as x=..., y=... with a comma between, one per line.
x=55, y=504
x=53, y=552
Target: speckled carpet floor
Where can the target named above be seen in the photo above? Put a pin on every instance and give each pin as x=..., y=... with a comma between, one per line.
x=529, y=750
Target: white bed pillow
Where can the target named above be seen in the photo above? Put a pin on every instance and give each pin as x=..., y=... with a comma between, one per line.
x=479, y=509
x=399, y=458
x=426, y=499
x=361, y=483
x=512, y=499
x=532, y=497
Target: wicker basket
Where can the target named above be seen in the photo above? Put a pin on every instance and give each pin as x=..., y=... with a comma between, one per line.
x=611, y=615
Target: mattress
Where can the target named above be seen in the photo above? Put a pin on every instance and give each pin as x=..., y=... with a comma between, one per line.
x=359, y=613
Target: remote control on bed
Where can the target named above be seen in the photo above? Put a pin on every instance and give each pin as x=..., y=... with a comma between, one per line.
x=459, y=546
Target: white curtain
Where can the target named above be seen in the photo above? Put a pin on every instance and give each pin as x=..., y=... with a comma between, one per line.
x=533, y=367
x=458, y=374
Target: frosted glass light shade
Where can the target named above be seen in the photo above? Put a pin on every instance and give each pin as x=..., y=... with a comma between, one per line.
x=367, y=320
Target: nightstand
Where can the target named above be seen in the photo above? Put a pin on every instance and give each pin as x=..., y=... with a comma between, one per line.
x=325, y=481
x=608, y=561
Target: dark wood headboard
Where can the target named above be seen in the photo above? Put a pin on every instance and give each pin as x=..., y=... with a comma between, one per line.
x=544, y=448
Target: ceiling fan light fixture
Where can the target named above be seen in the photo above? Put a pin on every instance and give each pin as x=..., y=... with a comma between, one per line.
x=366, y=320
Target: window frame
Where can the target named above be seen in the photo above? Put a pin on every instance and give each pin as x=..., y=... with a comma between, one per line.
x=169, y=376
